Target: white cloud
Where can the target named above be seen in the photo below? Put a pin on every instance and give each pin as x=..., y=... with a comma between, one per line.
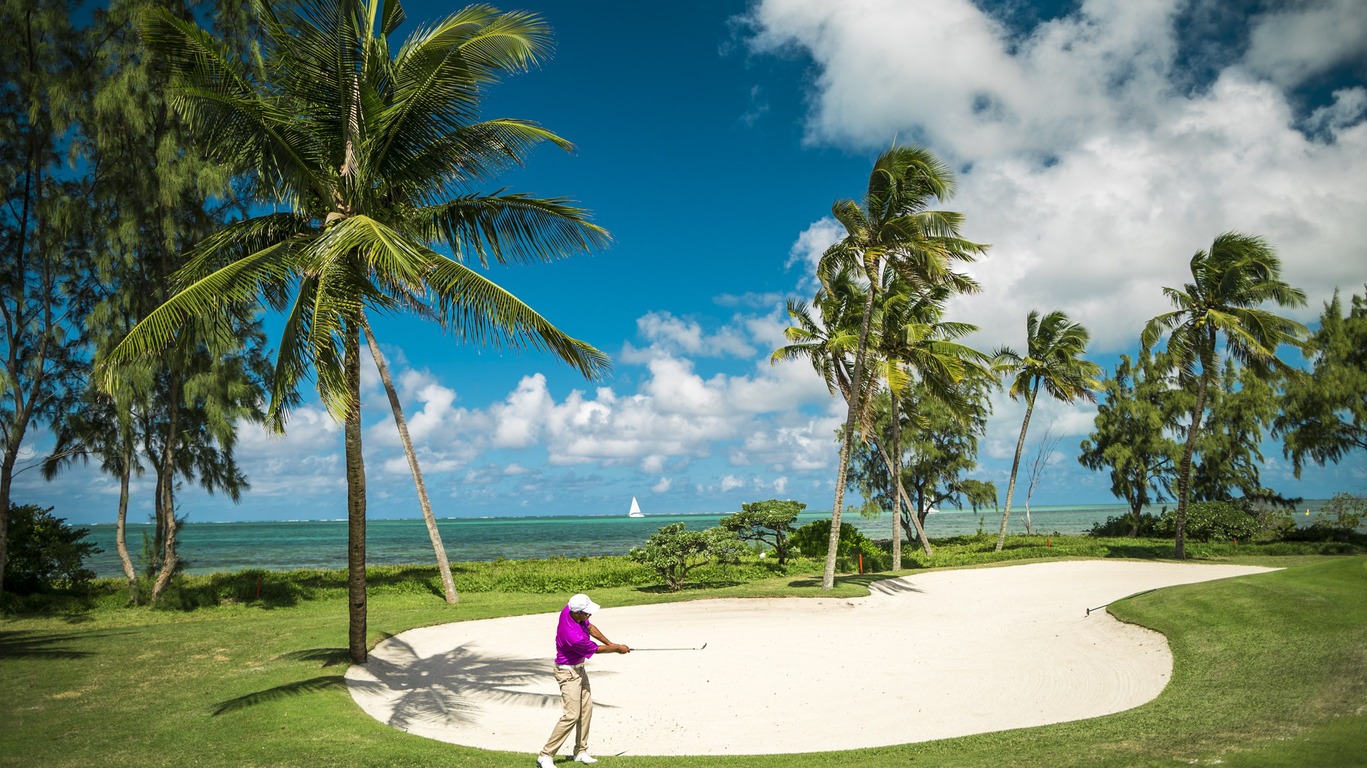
x=1092, y=174
x=519, y=419
x=806, y=251
x=1292, y=45
x=662, y=486
x=669, y=335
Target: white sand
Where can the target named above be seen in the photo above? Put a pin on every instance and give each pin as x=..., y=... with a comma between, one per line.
x=930, y=656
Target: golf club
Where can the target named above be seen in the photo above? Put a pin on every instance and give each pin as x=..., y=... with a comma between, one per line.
x=699, y=648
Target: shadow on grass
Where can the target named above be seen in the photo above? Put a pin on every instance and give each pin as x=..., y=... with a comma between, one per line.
x=38, y=645
x=692, y=586
x=1140, y=551
x=288, y=690
x=330, y=657
x=286, y=589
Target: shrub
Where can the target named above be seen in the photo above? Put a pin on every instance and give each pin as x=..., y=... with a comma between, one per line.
x=813, y=539
x=769, y=522
x=1212, y=521
x=1338, y=520
x=45, y=554
x=673, y=551
x=1117, y=527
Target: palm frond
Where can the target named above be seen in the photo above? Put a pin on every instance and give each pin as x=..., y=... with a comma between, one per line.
x=512, y=227
x=235, y=282
x=478, y=310
x=237, y=124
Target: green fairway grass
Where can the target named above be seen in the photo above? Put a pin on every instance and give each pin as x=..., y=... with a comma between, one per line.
x=1269, y=670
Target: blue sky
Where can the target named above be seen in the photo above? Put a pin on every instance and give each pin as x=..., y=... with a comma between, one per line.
x=1098, y=146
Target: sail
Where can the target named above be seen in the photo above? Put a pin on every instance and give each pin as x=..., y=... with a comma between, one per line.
x=635, y=509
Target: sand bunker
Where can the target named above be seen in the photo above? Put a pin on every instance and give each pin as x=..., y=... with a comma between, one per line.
x=928, y=656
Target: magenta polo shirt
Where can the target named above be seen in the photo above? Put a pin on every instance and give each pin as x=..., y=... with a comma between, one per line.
x=573, y=645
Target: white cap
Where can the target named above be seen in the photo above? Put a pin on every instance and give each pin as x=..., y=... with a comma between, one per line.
x=583, y=604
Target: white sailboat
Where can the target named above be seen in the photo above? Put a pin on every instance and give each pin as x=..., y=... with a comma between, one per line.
x=635, y=509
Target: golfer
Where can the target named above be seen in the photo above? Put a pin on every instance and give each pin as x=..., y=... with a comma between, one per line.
x=574, y=644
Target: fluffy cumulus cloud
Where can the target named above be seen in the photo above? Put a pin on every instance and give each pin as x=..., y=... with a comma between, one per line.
x=1294, y=44
x=675, y=414
x=1087, y=162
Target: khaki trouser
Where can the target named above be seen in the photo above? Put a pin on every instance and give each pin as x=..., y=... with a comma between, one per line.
x=578, y=698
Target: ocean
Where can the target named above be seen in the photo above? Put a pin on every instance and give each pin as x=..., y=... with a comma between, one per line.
x=280, y=546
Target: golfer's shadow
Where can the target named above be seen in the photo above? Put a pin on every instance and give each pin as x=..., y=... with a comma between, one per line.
x=447, y=687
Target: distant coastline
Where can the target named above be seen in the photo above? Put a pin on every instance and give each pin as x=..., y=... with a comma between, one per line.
x=281, y=545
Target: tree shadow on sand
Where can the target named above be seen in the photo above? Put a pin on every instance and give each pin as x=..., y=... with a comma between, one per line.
x=880, y=582
x=893, y=586
x=447, y=687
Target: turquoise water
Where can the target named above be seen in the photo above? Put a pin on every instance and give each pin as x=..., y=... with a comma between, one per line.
x=236, y=546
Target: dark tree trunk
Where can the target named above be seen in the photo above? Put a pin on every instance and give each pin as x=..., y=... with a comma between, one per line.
x=1184, y=471
x=166, y=497
x=356, y=503
x=6, y=477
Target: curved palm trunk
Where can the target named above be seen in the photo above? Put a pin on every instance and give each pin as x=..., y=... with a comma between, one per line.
x=1015, y=466
x=896, y=470
x=356, y=503
x=906, y=501
x=842, y=472
x=121, y=528
x=443, y=565
x=1184, y=471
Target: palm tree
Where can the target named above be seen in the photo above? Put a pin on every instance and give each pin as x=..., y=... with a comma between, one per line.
x=376, y=154
x=914, y=341
x=1228, y=283
x=448, y=583
x=826, y=332
x=1053, y=361
x=893, y=228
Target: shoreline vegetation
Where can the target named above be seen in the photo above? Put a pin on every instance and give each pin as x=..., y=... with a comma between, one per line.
x=232, y=678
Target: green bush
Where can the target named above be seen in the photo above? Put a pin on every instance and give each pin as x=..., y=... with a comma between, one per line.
x=1343, y=515
x=673, y=551
x=45, y=554
x=1119, y=526
x=1213, y=521
x=769, y=522
x=813, y=539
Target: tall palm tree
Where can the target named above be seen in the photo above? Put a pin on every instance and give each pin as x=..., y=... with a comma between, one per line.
x=893, y=228
x=1228, y=283
x=915, y=342
x=1053, y=350
x=376, y=155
